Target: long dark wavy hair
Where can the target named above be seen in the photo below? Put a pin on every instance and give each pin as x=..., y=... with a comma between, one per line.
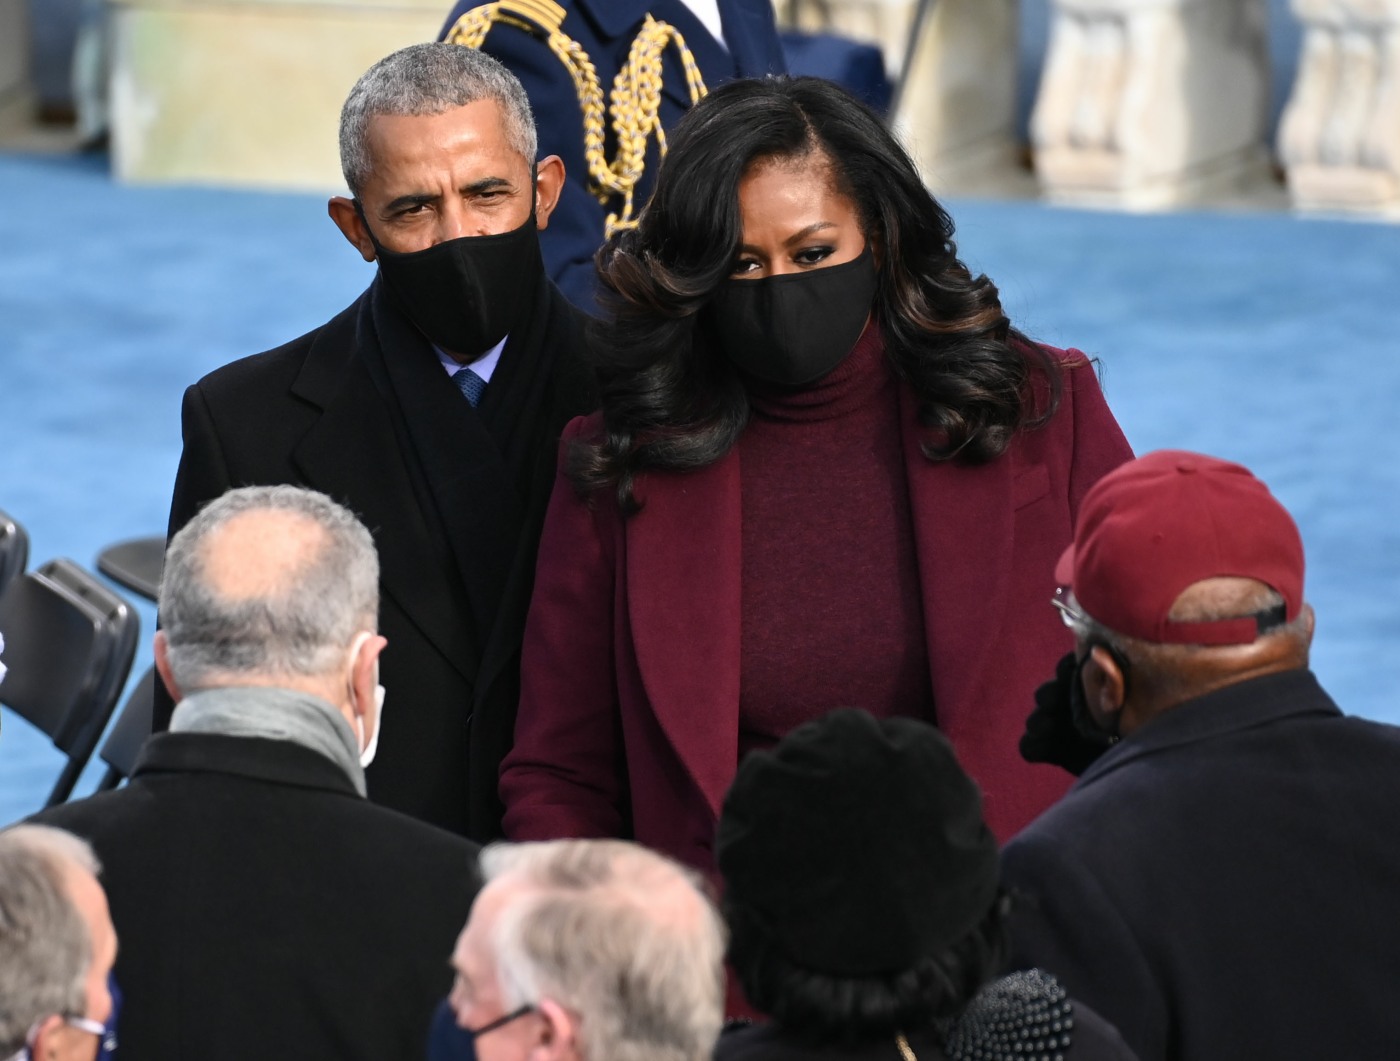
x=671, y=401
x=821, y=1007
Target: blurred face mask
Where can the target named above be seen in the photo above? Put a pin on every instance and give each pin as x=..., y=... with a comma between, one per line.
x=367, y=751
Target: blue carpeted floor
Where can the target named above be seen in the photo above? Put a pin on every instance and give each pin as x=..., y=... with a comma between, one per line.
x=1258, y=337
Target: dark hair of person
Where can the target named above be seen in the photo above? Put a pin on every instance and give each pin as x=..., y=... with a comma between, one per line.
x=826, y=1008
x=671, y=401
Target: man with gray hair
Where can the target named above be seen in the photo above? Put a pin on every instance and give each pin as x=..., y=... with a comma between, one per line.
x=261, y=899
x=584, y=950
x=432, y=407
x=57, y=945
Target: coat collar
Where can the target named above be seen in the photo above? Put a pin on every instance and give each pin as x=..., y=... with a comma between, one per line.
x=354, y=453
x=694, y=599
x=279, y=762
x=1244, y=705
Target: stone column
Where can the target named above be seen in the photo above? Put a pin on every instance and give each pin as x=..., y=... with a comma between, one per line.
x=16, y=93
x=957, y=104
x=246, y=92
x=1145, y=104
x=1339, y=138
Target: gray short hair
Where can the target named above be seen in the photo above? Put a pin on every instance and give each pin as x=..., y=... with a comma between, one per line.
x=302, y=627
x=429, y=79
x=619, y=935
x=45, y=950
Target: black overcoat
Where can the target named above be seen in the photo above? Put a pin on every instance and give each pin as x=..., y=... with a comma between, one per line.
x=264, y=909
x=360, y=409
x=1223, y=883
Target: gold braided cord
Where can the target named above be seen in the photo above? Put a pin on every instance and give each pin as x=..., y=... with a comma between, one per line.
x=635, y=97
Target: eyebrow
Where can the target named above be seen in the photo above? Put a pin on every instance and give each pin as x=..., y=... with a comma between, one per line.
x=409, y=200
x=796, y=237
x=486, y=184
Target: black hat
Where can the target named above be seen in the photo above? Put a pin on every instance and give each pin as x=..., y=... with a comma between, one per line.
x=859, y=843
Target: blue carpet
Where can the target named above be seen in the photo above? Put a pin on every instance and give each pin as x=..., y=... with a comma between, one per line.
x=1258, y=337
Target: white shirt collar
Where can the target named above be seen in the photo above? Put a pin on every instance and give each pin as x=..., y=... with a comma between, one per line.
x=483, y=366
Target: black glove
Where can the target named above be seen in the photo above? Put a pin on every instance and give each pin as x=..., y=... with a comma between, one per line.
x=1051, y=735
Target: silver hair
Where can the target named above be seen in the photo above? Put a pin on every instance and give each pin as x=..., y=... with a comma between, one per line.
x=430, y=79
x=618, y=935
x=302, y=627
x=45, y=950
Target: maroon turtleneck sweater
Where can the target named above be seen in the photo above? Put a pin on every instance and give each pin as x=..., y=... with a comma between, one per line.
x=831, y=608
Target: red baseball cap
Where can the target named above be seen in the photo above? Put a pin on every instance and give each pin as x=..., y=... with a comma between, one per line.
x=1154, y=526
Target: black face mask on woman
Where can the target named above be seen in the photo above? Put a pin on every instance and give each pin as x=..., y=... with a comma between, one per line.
x=466, y=293
x=792, y=330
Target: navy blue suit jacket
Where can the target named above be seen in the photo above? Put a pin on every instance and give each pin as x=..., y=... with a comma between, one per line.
x=605, y=30
x=1223, y=883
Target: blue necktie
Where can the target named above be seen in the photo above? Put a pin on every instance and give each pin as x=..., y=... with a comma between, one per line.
x=470, y=384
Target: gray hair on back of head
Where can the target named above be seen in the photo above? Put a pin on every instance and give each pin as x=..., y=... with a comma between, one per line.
x=301, y=628
x=620, y=935
x=425, y=79
x=44, y=946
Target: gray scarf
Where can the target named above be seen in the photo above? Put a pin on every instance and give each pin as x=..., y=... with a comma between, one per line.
x=275, y=714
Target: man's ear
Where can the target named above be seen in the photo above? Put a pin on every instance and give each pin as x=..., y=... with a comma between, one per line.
x=1105, y=684
x=48, y=1039
x=351, y=225
x=162, y=647
x=558, y=1040
x=362, y=673
x=549, y=185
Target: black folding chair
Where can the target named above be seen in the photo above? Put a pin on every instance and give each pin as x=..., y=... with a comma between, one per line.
x=69, y=643
x=123, y=744
x=135, y=564
x=14, y=549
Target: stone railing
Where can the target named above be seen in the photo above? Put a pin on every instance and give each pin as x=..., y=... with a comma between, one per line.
x=1150, y=103
x=1339, y=138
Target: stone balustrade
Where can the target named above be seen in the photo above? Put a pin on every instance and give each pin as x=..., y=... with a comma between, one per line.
x=1339, y=137
x=1151, y=103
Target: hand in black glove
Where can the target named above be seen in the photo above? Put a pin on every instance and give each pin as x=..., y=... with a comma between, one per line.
x=1051, y=735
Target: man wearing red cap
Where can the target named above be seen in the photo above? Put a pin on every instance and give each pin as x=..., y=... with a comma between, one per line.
x=1222, y=880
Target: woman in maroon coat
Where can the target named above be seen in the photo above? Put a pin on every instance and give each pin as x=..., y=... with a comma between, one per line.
x=827, y=472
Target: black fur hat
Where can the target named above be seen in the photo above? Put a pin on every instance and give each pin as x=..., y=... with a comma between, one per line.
x=859, y=843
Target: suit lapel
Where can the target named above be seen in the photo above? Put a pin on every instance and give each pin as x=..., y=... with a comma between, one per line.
x=683, y=595
x=963, y=530
x=353, y=453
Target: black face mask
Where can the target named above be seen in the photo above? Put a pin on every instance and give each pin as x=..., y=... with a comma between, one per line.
x=792, y=330
x=465, y=294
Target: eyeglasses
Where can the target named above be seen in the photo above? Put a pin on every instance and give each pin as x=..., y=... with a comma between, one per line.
x=500, y=1022
x=1078, y=623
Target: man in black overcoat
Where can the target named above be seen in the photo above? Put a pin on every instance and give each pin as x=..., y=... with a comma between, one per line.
x=265, y=908
x=431, y=407
x=1221, y=883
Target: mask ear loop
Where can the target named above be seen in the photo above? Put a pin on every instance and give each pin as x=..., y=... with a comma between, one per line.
x=355, y=646
x=1084, y=721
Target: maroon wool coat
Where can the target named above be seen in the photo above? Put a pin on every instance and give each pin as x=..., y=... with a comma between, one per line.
x=629, y=711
